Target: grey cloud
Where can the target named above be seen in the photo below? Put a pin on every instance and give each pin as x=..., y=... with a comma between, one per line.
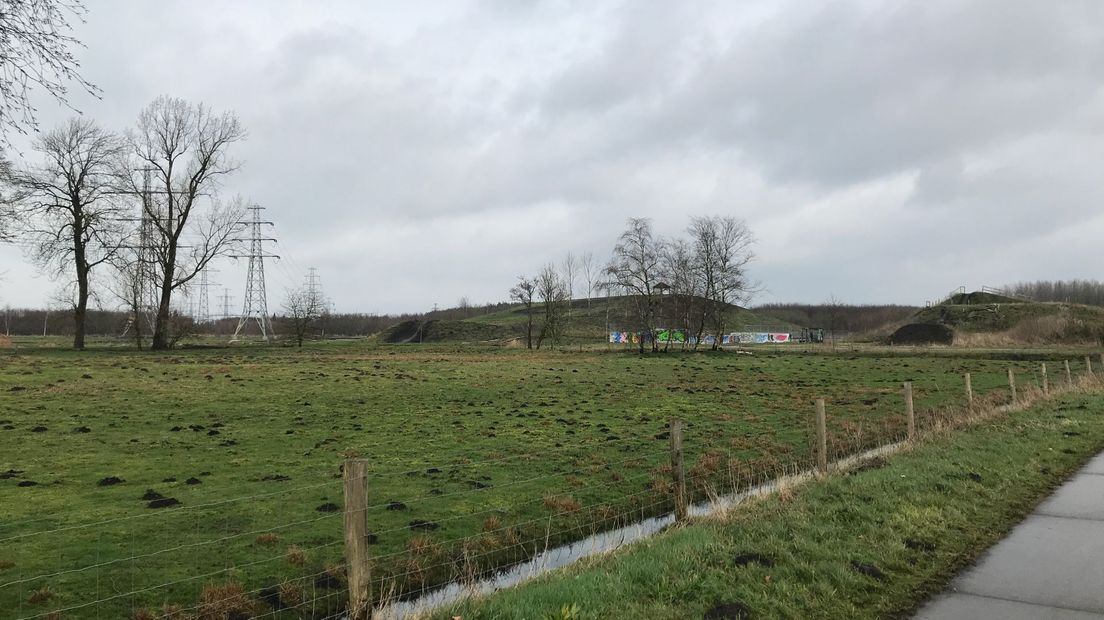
x=421, y=152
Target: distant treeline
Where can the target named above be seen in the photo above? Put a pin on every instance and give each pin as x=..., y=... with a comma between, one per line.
x=37, y=321
x=1088, y=292
x=836, y=317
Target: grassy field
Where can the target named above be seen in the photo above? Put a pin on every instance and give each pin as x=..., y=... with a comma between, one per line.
x=476, y=456
x=872, y=544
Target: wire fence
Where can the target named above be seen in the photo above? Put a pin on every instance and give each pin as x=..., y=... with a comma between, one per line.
x=434, y=534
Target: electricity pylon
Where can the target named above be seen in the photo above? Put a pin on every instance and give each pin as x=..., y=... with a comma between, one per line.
x=256, y=300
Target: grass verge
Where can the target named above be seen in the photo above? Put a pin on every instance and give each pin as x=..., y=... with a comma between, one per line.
x=872, y=544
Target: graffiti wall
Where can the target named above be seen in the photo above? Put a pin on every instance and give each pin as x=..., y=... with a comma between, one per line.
x=755, y=338
x=680, y=336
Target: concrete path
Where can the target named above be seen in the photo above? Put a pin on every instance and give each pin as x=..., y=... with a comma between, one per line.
x=1049, y=566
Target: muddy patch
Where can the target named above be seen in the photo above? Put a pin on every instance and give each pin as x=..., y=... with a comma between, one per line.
x=868, y=569
x=109, y=481
x=919, y=545
x=164, y=502
x=753, y=558
x=733, y=610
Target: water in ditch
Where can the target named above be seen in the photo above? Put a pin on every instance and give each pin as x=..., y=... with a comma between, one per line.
x=604, y=542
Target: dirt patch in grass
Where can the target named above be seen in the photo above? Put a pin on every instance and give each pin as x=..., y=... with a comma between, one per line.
x=164, y=502
x=728, y=611
x=753, y=558
x=868, y=569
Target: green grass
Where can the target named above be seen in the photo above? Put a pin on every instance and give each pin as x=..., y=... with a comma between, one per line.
x=916, y=521
x=507, y=428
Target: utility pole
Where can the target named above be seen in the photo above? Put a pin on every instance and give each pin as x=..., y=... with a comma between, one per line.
x=256, y=300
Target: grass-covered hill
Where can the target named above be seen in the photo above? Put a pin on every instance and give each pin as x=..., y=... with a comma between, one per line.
x=587, y=321
x=987, y=318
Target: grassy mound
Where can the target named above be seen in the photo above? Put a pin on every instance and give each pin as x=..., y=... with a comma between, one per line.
x=985, y=319
x=585, y=321
x=447, y=331
x=978, y=297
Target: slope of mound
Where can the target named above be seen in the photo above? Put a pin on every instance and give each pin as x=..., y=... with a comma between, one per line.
x=444, y=331
x=980, y=297
x=585, y=321
x=922, y=333
x=1015, y=320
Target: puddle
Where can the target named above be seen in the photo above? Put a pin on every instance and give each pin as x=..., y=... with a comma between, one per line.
x=605, y=542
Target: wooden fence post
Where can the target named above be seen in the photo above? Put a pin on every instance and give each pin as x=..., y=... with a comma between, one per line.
x=1088, y=365
x=821, y=436
x=1012, y=384
x=969, y=393
x=910, y=412
x=1046, y=383
x=1069, y=375
x=356, y=538
x=678, y=472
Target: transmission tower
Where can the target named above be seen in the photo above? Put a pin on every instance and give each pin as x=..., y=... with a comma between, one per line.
x=314, y=288
x=145, y=293
x=256, y=300
x=203, y=314
x=225, y=303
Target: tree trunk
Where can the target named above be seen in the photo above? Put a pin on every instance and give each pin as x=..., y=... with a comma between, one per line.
x=529, y=330
x=80, y=312
x=138, y=326
x=161, y=334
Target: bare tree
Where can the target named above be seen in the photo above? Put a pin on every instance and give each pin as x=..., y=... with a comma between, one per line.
x=130, y=283
x=570, y=268
x=7, y=203
x=635, y=268
x=684, y=299
x=590, y=273
x=552, y=293
x=36, y=52
x=722, y=251
x=835, y=311
x=183, y=147
x=69, y=207
x=302, y=310
x=523, y=292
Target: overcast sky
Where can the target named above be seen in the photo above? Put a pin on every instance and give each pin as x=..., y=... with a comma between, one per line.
x=417, y=152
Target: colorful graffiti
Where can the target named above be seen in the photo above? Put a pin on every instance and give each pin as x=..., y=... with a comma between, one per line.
x=680, y=336
x=755, y=338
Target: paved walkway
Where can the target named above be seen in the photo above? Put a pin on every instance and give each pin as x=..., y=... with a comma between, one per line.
x=1049, y=566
